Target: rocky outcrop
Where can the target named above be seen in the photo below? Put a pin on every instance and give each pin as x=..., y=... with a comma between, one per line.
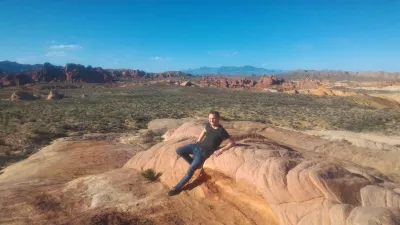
x=54, y=95
x=268, y=81
x=308, y=83
x=47, y=73
x=186, y=84
x=80, y=73
x=321, y=91
x=223, y=82
x=22, y=95
x=302, y=190
x=80, y=181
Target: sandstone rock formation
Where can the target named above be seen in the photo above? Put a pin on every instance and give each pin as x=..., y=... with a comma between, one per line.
x=79, y=181
x=268, y=81
x=273, y=176
x=53, y=94
x=308, y=83
x=223, y=82
x=301, y=189
x=186, y=83
x=22, y=95
x=80, y=73
x=76, y=72
x=321, y=91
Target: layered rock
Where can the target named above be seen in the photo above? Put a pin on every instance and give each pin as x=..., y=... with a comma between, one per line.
x=308, y=83
x=76, y=72
x=79, y=73
x=301, y=190
x=268, y=81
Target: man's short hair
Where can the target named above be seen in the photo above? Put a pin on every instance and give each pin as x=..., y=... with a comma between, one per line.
x=214, y=113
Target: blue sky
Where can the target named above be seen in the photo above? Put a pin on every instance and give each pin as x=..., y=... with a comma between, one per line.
x=173, y=35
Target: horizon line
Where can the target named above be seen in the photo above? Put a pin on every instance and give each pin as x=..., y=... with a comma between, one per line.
x=182, y=70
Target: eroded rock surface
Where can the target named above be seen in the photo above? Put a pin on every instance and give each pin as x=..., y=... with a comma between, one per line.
x=302, y=190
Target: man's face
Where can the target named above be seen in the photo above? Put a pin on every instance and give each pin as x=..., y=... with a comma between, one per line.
x=213, y=119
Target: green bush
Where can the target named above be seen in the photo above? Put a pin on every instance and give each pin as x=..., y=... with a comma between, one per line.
x=151, y=175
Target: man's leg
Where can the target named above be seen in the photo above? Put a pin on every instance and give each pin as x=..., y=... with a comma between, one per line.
x=184, y=152
x=196, y=164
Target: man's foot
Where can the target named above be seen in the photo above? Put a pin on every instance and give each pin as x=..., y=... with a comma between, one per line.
x=173, y=191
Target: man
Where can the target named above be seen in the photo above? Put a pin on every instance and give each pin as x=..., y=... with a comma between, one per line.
x=202, y=149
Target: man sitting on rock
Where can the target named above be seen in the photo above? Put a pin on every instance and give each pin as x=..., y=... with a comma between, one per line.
x=202, y=149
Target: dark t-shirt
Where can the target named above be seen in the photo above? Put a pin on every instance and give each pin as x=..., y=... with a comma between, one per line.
x=213, y=139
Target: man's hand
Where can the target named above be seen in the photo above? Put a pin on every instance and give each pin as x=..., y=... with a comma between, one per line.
x=230, y=144
x=219, y=152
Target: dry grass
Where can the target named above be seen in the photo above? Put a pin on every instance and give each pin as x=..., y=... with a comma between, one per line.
x=28, y=125
x=150, y=175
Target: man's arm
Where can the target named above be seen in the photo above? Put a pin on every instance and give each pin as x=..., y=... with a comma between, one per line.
x=230, y=144
x=203, y=133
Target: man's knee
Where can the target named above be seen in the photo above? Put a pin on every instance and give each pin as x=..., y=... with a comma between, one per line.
x=181, y=149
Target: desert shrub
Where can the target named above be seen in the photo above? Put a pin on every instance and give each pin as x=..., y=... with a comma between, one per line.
x=151, y=175
x=131, y=108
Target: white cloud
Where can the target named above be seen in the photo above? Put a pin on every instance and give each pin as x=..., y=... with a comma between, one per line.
x=65, y=47
x=55, y=54
x=158, y=58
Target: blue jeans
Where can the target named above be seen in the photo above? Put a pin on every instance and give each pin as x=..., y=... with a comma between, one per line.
x=195, y=163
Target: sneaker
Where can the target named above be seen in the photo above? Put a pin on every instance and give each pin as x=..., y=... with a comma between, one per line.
x=173, y=191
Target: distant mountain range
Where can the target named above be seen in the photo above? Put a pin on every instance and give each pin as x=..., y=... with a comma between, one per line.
x=341, y=75
x=233, y=70
x=12, y=67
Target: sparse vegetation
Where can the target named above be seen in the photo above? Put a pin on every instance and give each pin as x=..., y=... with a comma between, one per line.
x=148, y=138
x=151, y=175
x=28, y=125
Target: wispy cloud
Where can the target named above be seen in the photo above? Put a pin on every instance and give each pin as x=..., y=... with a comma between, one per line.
x=55, y=54
x=223, y=53
x=65, y=47
x=158, y=58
